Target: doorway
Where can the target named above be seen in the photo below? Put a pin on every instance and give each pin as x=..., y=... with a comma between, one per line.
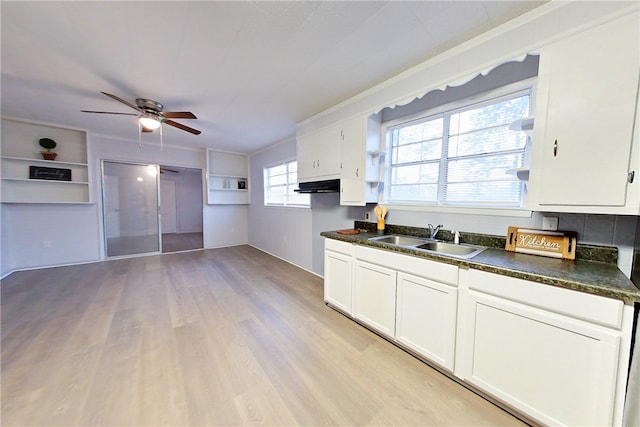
x=181, y=208
x=130, y=208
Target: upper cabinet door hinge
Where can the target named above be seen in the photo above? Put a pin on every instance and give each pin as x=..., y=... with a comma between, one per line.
x=631, y=176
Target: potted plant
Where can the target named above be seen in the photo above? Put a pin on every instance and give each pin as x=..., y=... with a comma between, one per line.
x=48, y=144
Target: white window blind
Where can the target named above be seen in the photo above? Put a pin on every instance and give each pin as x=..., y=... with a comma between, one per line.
x=279, y=183
x=459, y=157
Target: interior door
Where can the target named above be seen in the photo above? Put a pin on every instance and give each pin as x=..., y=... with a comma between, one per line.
x=168, y=215
x=111, y=206
x=130, y=208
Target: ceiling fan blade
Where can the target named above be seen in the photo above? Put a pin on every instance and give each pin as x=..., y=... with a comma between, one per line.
x=108, y=112
x=117, y=98
x=181, y=126
x=178, y=115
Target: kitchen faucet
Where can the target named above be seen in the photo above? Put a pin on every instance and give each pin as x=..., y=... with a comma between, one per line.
x=434, y=230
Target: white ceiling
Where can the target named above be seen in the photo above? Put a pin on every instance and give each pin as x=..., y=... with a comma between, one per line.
x=248, y=70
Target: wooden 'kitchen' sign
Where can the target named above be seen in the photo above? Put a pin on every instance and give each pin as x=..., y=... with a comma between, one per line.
x=556, y=244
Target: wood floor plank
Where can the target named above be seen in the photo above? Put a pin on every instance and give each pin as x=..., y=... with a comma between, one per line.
x=224, y=337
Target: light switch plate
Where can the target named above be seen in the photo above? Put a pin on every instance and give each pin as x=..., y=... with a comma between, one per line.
x=550, y=223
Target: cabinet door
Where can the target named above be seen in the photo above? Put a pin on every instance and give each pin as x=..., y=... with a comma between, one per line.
x=318, y=155
x=352, y=177
x=305, y=156
x=558, y=370
x=426, y=318
x=374, y=300
x=592, y=82
x=337, y=280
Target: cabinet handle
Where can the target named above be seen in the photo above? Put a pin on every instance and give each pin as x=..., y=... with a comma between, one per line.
x=314, y=164
x=357, y=170
x=318, y=162
x=631, y=176
x=555, y=148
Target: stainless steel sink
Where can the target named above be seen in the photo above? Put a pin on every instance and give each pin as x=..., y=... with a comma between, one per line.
x=400, y=240
x=463, y=251
x=424, y=244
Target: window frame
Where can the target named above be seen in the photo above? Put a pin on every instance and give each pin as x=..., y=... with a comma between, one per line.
x=288, y=184
x=525, y=85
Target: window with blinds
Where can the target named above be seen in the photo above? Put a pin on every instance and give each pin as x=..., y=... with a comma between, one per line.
x=459, y=157
x=279, y=183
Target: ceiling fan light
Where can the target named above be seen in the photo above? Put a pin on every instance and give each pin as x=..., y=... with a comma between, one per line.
x=149, y=122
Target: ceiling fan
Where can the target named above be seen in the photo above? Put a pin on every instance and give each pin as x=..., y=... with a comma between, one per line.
x=150, y=114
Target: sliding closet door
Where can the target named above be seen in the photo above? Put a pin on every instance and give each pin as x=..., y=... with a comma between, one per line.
x=130, y=204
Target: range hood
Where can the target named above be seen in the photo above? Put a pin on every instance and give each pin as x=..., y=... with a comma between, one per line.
x=328, y=186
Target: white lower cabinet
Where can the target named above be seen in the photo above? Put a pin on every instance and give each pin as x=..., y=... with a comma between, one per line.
x=375, y=297
x=426, y=318
x=338, y=273
x=556, y=355
x=548, y=363
x=411, y=300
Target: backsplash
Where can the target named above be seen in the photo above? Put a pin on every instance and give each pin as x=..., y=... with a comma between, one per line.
x=606, y=230
x=587, y=252
x=600, y=230
x=614, y=230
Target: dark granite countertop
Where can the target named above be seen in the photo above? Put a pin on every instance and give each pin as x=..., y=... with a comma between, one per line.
x=592, y=277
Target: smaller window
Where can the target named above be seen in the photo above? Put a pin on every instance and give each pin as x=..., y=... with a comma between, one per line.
x=279, y=183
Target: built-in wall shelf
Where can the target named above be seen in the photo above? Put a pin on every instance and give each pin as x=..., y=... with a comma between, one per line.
x=521, y=173
x=227, y=178
x=46, y=181
x=21, y=153
x=523, y=125
x=376, y=152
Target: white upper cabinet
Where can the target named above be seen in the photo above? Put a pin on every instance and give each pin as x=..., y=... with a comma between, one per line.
x=361, y=156
x=586, y=103
x=318, y=154
x=348, y=150
x=352, y=155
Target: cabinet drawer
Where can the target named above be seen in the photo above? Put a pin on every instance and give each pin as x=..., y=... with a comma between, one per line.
x=593, y=308
x=444, y=273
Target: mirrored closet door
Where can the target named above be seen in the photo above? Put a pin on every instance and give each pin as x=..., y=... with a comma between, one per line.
x=130, y=208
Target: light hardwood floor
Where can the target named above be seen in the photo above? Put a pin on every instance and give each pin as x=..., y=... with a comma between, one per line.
x=176, y=242
x=225, y=337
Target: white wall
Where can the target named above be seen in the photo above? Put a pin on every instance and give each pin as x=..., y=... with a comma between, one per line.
x=42, y=235
x=223, y=225
x=284, y=232
x=294, y=234
x=35, y=235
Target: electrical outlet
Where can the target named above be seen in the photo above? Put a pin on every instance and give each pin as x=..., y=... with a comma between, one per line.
x=550, y=223
x=367, y=216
